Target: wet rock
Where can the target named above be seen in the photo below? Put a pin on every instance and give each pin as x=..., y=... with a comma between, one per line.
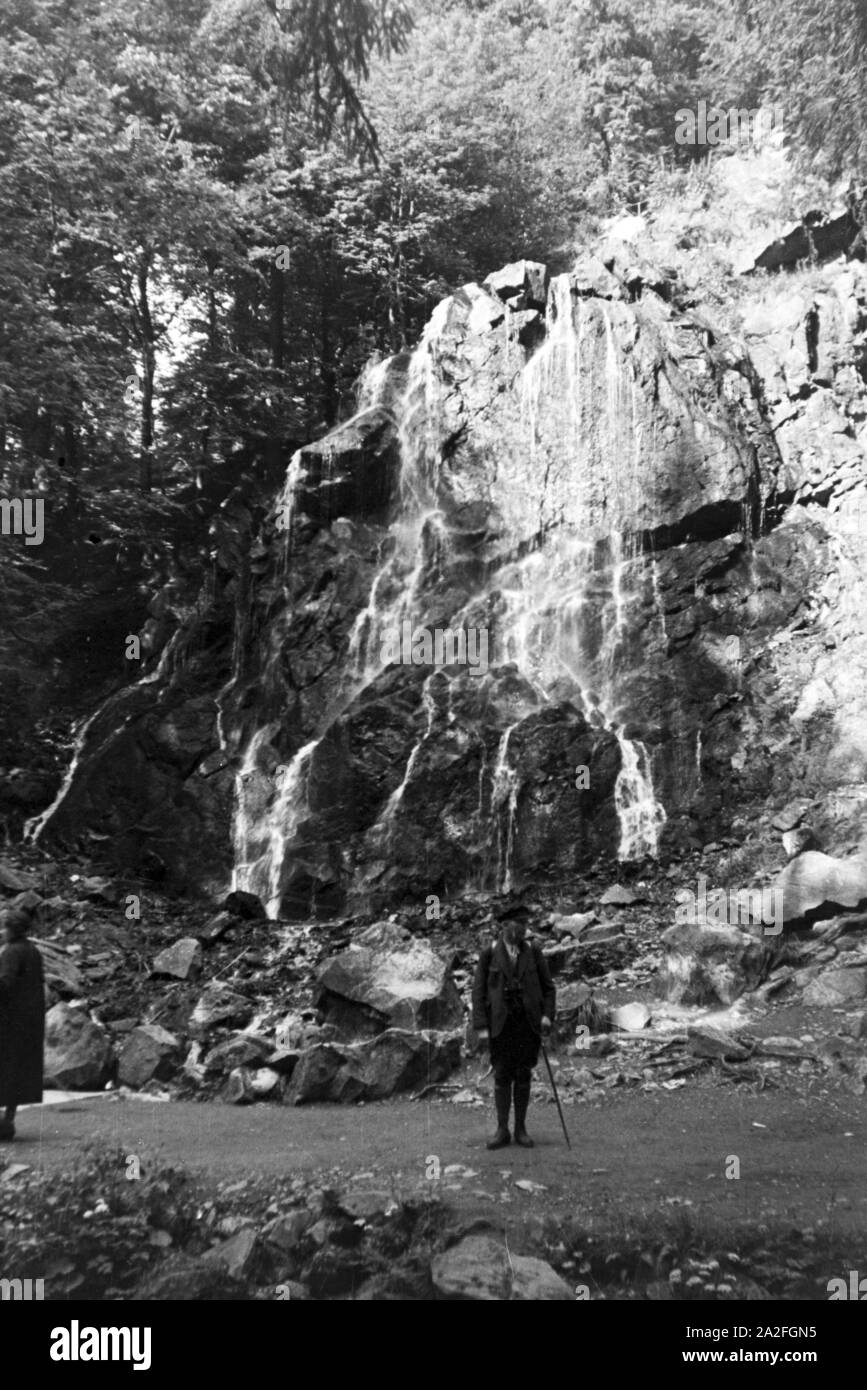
x=219, y=1004
x=149, y=1053
x=370, y=989
x=479, y=1269
x=244, y=1049
x=78, y=1054
x=706, y=1040
x=816, y=880
x=711, y=965
x=239, y=1089
x=836, y=987
x=182, y=960
x=246, y=905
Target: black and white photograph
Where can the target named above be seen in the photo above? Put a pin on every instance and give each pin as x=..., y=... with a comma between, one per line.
x=433, y=668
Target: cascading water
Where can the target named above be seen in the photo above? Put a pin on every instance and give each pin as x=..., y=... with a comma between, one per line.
x=262, y=835
x=561, y=603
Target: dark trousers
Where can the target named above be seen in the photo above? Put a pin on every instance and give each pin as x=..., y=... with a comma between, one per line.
x=515, y=1051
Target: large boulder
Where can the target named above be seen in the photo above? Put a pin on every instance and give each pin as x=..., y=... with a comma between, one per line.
x=393, y=1061
x=481, y=1270
x=78, y=1054
x=711, y=965
x=149, y=1053
x=219, y=1004
x=387, y=985
x=815, y=880
x=242, y=1050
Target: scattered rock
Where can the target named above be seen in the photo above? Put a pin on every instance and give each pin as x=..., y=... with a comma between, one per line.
x=574, y=924
x=61, y=975
x=371, y=988
x=705, y=1040
x=711, y=965
x=184, y=1280
x=602, y=934
x=216, y=928
x=816, y=880
x=219, y=1004
x=266, y=1082
x=836, y=987
x=480, y=1270
x=791, y=815
x=782, y=1047
x=149, y=1053
x=237, y=1255
x=241, y=1050
x=182, y=961
x=630, y=1018
x=12, y=880
x=239, y=1089
x=618, y=896
x=78, y=1054
x=397, y=1060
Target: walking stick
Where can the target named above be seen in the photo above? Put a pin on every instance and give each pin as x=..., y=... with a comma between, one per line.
x=556, y=1096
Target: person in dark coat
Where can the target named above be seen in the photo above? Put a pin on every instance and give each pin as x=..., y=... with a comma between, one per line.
x=22, y=1020
x=513, y=1008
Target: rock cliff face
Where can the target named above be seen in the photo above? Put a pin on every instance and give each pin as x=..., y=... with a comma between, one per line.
x=649, y=536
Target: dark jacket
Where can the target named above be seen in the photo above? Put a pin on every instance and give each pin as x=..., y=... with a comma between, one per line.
x=493, y=975
x=22, y=1024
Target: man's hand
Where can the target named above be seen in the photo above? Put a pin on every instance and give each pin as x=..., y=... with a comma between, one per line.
x=483, y=1034
x=546, y=1025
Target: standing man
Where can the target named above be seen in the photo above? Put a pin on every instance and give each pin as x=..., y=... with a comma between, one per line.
x=22, y=1020
x=513, y=1008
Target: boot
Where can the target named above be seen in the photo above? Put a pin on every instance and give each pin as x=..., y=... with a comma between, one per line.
x=502, y=1100
x=522, y=1101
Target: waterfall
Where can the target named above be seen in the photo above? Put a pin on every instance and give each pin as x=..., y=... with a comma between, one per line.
x=505, y=787
x=561, y=592
x=270, y=834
